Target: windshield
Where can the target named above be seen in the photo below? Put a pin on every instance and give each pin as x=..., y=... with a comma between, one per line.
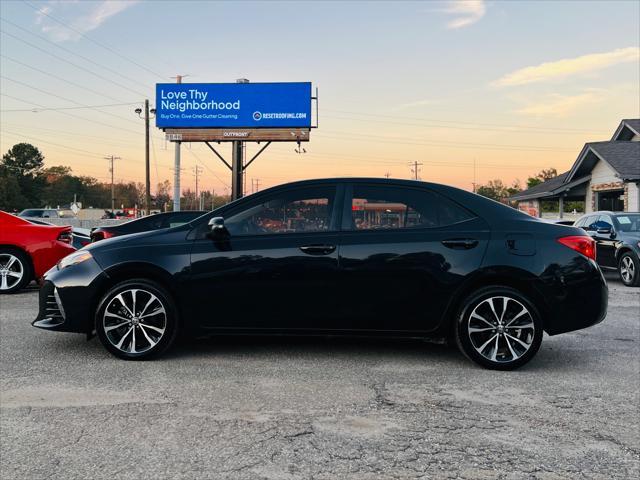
x=629, y=222
x=31, y=213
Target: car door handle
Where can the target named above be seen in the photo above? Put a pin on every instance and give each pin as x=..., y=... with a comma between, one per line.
x=318, y=249
x=460, y=243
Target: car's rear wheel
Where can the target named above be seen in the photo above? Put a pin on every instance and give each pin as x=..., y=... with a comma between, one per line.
x=137, y=320
x=498, y=328
x=629, y=270
x=15, y=270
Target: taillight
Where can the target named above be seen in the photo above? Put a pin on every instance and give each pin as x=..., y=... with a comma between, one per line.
x=581, y=244
x=101, y=235
x=65, y=237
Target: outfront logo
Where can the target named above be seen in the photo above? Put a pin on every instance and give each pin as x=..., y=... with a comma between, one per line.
x=257, y=116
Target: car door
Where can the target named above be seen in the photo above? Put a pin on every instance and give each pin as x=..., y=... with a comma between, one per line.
x=403, y=252
x=604, y=235
x=278, y=268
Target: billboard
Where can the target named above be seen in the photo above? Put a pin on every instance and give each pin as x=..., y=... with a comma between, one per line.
x=233, y=105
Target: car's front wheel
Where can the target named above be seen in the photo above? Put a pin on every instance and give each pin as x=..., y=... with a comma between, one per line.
x=498, y=328
x=15, y=270
x=137, y=320
x=629, y=270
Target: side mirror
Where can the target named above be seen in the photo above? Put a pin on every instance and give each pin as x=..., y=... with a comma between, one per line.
x=217, y=230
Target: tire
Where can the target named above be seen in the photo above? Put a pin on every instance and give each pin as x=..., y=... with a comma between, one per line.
x=629, y=269
x=492, y=340
x=15, y=270
x=137, y=320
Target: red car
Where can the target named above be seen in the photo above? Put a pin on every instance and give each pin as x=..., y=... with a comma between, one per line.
x=27, y=250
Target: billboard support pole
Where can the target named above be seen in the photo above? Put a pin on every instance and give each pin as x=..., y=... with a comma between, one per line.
x=237, y=170
x=176, y=167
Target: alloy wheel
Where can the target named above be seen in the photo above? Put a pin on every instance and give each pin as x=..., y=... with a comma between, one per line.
x=11, y=271
x=501, y=329
x=627, y=269
x=134, y=321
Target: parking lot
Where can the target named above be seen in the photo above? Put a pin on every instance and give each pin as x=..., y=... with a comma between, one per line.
x=319, y=408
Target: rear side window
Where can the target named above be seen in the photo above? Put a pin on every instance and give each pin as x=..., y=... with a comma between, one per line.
x=376, y=207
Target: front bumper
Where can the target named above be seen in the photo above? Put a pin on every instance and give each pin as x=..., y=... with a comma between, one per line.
x=68, y=298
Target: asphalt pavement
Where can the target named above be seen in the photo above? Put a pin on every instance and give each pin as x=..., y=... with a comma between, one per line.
x=318, y=408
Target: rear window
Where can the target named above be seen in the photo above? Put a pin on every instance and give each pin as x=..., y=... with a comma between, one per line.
x=376, y=207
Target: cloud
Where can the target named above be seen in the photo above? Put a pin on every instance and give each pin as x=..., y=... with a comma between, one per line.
x=86, y=16
x=560, y=106
x=466, y=12
x=568, y=67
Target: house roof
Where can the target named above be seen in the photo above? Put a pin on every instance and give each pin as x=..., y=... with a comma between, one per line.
x=627, y=129
x=623, y=157
x=620, y=153
x=550, y=188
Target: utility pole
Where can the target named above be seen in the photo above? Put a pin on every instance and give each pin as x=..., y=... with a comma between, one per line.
x=197, y=171
x=147, y=195
x=415, y=170
x=176, y=166
x=387, y=175
x=113, y=190
x=147, y=178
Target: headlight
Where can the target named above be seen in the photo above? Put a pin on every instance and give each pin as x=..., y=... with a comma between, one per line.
x=74, y=259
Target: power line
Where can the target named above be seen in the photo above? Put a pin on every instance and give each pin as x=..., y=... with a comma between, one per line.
x=432, y=144
x=106, y=47
x=72, y=115
x=77, y=85
x=55, y=109
x=447, y=143
x=66, y=99
x=208, y=168
x=19, y=135
x=101, y=77
x=458, y=122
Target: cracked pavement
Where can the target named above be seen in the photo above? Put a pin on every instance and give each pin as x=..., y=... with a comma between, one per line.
x=319, y=408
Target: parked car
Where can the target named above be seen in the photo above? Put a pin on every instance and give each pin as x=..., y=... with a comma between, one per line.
x=337, y=257
x=27, y=250
x=617, y=236
x=81, y=236
x=40, y=213
x=145, y=224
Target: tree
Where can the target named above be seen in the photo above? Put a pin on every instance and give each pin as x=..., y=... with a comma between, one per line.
x=541, y=177
x=163, y=195
x=11, y=199
x=496, y=190
x=24, y=162
x=23, y=158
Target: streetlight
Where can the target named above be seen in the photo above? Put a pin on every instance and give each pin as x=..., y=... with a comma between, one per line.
x=146, y=152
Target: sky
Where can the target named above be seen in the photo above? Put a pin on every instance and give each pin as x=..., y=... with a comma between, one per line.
x=471, y=90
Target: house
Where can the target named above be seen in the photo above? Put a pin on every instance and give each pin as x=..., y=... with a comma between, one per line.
x=605, y=176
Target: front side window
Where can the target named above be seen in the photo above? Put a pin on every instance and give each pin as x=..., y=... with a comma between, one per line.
x=381, y=207
x=629, y=223
x=298, y=211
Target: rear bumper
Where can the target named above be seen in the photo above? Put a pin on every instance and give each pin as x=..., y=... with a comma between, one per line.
x=576, y=299
x=68, y=298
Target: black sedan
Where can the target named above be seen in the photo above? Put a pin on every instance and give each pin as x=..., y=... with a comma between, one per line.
x=337, y=257
x=617, y=236
x=157, y=221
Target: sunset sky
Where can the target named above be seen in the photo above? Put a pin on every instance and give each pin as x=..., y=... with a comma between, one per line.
x=513, y=87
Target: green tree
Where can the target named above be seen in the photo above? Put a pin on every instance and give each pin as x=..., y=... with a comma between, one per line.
x=11, y=198
x=542, y=176
x=496, y=190
x=24, y=162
